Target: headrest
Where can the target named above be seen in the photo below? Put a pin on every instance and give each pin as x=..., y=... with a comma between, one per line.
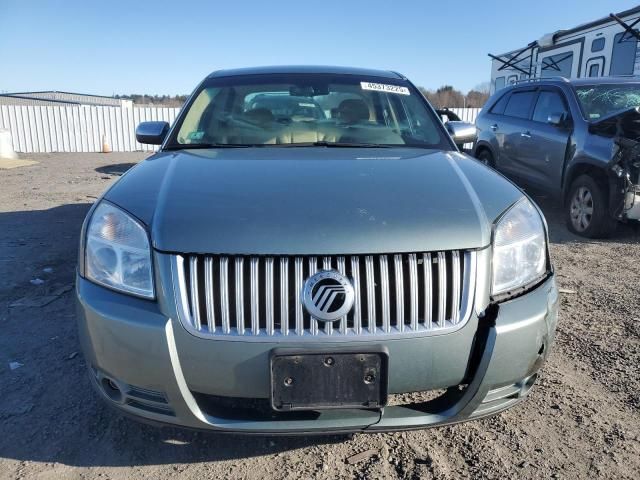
x=259, y=115
x=353, y=110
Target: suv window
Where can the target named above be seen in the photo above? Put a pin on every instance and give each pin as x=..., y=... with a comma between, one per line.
x=548, y=102
x=498, y=107
x=519, y=104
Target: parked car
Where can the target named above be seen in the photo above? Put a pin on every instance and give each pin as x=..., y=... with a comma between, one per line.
x=577, y=140
x=269, y=277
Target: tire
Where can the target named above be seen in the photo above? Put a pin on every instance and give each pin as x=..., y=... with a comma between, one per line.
x=486, y=157
x=587, y=209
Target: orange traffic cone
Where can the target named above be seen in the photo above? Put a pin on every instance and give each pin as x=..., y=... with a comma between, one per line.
x=106, y=148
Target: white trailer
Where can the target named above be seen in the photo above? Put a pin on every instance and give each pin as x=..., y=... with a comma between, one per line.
x=604, y=47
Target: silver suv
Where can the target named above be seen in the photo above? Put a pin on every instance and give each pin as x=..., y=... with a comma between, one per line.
x=577, y=140
x=275, y=268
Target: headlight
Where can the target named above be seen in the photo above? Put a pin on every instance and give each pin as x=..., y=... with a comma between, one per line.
x=519, y=249
x=117, y=252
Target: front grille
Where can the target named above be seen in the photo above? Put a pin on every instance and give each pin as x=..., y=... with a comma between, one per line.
x=258, y=296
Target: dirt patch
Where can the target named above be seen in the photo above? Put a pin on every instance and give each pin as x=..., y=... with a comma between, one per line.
x=581, y=421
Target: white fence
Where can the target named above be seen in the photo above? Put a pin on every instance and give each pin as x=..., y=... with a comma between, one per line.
x=466, y=114
x=41, y=129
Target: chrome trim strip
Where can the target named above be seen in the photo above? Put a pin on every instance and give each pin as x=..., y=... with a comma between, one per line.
x=193, y=279
x=208, y=293
x=442, y=292
x=298, y=296
x=427, y=265
x=371, y=294
x=224, y=290
x=413, y=291
x=284, y=295
x=313, y=268
x=357, y=317
x=268, y=294
x=399, y=281
x=342, y=269
x=384, y=291
x=255, y=296
x=239, y=299
x=455, y=287
x=326, y=263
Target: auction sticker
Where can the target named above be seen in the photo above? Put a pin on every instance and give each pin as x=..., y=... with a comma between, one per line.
x=381, y=87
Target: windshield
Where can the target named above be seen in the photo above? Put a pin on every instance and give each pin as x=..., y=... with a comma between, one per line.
x=601, y=100
x=307, y=110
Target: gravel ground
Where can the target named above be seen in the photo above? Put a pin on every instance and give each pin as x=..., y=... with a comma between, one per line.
x=581, y=421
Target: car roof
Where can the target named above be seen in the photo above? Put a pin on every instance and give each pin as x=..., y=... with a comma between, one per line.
x=313, y=69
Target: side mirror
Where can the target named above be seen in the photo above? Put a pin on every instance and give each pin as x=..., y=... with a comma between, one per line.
x=556, y=119
x=461, y=132
x=152, y=133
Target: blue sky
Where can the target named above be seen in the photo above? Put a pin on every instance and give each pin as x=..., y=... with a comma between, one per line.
x=167, y=47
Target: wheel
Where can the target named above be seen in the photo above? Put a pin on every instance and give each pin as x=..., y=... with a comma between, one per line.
x=587, y=209
x=486, y=157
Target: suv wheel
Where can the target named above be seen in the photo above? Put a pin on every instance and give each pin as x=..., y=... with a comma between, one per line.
x=486, y=157
x=587, y=209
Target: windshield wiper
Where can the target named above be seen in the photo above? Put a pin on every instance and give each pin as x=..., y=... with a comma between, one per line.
x=193, y=146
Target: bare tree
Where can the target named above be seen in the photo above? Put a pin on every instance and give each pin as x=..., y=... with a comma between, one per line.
x=448, y=97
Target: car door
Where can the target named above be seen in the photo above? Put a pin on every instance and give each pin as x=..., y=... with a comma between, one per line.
x=510, y=128
x=544, y=144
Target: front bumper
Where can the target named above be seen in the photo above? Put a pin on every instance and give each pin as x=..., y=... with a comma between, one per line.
x=145, y=363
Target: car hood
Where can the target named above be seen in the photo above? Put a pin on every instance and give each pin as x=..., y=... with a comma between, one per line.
x=623, y=123
x=302, y=201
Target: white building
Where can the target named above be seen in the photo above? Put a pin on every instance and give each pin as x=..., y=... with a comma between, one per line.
x=604, y=47
x=55, y=98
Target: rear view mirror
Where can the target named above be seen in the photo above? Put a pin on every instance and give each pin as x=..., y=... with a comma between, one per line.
x=152, y=133
x=556, y=119
x=461, y=132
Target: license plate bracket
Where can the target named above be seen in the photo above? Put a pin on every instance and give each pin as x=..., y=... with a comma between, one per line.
x=309, y=380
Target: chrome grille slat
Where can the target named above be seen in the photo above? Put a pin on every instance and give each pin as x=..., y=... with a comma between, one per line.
x=255, y=296
x=268, y=294
x=426, y=292
x=384, y=292
x=298, y=296
x=208, y=293
x=426, y=272
x=224, y=290
x=455, y=290
x=357, y=309
x=313, y=268
x=326, y=265
x=413, y=291
x=342, y=268
x=195, y=299
x=442, y=292
x=284, y=295
x=399, y=279
x=371, y=294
